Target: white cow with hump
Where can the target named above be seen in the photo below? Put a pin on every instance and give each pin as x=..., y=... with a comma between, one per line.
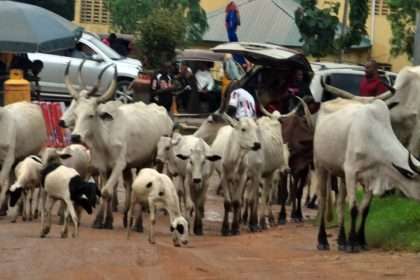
x=355, y=141
x=119, y=137
x=23, y=134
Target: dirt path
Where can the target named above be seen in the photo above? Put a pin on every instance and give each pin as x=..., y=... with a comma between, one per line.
x=286, y=252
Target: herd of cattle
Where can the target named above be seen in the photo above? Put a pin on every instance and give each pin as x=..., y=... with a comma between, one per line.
x=372, y=142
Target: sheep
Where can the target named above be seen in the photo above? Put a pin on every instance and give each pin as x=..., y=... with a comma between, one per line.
x=28, y=178
x=65, y=184
x=159, y=192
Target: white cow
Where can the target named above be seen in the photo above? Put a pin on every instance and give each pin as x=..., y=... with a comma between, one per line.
x=233, y=143
x=158, y=192
x=23, y=134
x=199, y=168
x=355, y=141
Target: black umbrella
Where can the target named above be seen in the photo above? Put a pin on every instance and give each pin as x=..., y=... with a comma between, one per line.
x=28, y=28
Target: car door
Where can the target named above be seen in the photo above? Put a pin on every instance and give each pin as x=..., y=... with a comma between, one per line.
x=52, y=75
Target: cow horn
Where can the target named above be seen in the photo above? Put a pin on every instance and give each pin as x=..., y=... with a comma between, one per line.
x=109, y=93
x=262, y=109
x=415, y=166
x=229, y=119
x=226, y=97
x=347, y=95
x=306, y=111
x=73, y=92
x=79, y=72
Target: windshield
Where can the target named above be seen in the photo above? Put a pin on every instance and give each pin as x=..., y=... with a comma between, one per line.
x=105, y=49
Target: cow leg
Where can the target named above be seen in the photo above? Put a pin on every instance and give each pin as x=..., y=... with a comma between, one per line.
x=299, y=195
x=152, y=222
x=109, y=219
x=200, y=199
x=236, y=203
x=283, y=194
x=353, y=244
x=293, y=190
x=341, y=202
x=364, y=209
x=121, y=182
x=189, y=205
x=72, y=212
x=37, y=200
x=97, y=223
x=227, y=207
x=312, y=203
x=138, y=226
x=128, y=181
x=322, y=188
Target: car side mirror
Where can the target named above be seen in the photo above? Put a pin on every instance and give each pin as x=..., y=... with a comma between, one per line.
x=97, y=58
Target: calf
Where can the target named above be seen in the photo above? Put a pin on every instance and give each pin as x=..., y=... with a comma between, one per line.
x=199, y=170
x=159, y=192
x=28, y=178
x=65, y=184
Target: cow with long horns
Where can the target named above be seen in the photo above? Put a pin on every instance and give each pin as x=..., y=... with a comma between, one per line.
x=355, y=141
x=120, y=137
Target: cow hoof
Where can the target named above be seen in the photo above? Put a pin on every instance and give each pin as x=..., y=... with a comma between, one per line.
x=64, y=235
x=364, y=247
x=263, y=224
x=342, y=248
x=271, y=219
x=13, y=221
x=139, y=228
x=353, y=249
x=44, y=232
x=125, y=222
x=323, y=247
x=254, y=228
x=24, y=218
x=108, y=225
x=282, y=221
x=198, y=231
x=235, y=231
x=97, y=225
x=225, y=231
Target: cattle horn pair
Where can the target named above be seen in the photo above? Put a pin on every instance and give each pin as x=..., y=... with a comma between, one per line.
x=109, y=93
x=347, y=95
x=273, y=115
x=415, y=166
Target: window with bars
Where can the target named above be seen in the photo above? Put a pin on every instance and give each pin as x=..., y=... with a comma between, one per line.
x=381, y=7
x=94, y=11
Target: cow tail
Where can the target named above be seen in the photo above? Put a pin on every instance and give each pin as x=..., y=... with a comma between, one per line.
x=329, y=213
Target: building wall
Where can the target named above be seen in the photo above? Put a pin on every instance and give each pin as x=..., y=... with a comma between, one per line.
x=211, y=5
x=92, y=15
x=379, y=32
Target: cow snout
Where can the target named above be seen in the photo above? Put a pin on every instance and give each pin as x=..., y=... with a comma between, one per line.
x=62, y=124
x=75, y=138
x=197, y=180
x=256, y=146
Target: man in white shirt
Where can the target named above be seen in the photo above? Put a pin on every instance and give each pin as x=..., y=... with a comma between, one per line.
x=206, y=87
x=242, y=104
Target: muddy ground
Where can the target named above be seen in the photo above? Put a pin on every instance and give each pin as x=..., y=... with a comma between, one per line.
x=282, y=252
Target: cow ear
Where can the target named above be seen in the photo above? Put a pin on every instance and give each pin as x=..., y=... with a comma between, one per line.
x=214, y=158
x=105, y=116
x=180, y=228
x=65, y=156
x=183, y=157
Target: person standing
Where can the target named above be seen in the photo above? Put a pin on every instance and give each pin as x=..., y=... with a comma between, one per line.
x=241, y=104
x=371, y=84
x=232, y=21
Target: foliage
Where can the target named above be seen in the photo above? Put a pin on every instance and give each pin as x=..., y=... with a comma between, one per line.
x=317, y=28
x=358, y=15
x=62, y=7
x=128, y=15
x=403, y=20
x=393, y=223
x=161, y=32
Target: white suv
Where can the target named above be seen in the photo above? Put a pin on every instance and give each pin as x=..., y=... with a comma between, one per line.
x=97, y=56
x=342, y=76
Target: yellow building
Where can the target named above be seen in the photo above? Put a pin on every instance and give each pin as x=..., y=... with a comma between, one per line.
x=93, y=15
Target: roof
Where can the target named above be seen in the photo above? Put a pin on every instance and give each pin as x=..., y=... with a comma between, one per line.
x=262, y=21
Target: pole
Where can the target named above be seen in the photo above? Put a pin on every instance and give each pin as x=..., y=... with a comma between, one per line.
x=343, y=31
x=416, y=49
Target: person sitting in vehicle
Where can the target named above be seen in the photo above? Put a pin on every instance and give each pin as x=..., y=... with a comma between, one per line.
x=187, y=80
x=82, y=51
x=241, y=104
x=371, y=84
x=162, y=87
x=205, y=87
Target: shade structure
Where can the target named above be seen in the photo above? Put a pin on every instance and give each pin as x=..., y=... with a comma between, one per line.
x=28, y=28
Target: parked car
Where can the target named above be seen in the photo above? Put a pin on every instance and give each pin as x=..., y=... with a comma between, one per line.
x=342, y=76
x=97, y=56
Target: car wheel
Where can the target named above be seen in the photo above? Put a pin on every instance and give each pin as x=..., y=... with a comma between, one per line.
x=124, y=94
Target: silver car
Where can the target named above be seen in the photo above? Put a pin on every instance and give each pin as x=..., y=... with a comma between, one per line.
x=97, y=56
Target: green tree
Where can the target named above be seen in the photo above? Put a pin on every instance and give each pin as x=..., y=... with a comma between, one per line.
x=161, y=32
x=128, y=14
x=317, y=28
x=403, y=21
x=62, y=7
